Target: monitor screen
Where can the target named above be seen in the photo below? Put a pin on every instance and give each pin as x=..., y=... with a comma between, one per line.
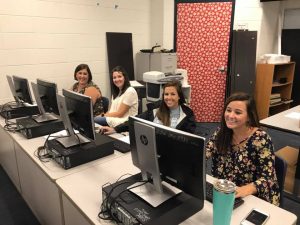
x=47, y=92
x=168, y=155
x=76, y=112
x=12, y=88
x=22, y=89
x=45, y=97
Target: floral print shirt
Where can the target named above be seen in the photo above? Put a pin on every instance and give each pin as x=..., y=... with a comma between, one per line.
x=251, y=161
x=98, y=106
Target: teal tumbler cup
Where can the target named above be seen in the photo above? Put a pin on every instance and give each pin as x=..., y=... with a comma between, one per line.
x=223, y=200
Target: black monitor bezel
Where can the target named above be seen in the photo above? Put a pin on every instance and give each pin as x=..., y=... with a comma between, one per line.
x=51, y=87
x=25, y=95
x=89, y=130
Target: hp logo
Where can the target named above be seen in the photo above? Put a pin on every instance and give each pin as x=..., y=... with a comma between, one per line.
x=144, y=139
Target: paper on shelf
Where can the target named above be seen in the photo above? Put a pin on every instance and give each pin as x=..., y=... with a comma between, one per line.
x=135, y=83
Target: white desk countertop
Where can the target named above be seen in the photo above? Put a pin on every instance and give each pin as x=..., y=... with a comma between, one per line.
x=84, y=191
x=287, y=120
x=52, y=169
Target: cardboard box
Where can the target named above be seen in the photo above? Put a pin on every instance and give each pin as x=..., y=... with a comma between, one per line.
x=290, y=155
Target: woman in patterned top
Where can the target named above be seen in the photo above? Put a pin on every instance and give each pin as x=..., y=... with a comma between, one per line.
x=242, y=152
x=86, y=86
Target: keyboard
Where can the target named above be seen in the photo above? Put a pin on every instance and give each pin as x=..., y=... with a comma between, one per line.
x=121, y=146
x=209, y=196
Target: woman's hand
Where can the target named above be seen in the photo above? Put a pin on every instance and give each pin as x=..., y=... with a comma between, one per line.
x=107, y=130
x=243, y=191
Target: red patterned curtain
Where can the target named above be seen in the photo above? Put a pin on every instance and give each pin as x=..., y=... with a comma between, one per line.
x=202, y=46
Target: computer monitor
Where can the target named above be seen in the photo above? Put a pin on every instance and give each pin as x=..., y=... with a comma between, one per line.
x=19, y=89
x=12, y=89
x=22, y=89
x=45, y=96
x=76, y=112
x=167, y=156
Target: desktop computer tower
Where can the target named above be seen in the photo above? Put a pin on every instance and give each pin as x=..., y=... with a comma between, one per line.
x=80, y=154
x=32, y=129
x=11, y=112
x=132, y=210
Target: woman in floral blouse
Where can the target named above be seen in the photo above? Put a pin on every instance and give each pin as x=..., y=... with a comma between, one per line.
x=242, y=152
x=86, y=86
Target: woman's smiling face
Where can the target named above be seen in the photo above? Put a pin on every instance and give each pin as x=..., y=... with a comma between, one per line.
x=236, y=115
x=171, y=97
x=118, y=79
x=82, y=77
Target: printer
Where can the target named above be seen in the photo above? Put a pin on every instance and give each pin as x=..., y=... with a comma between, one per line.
x=154, y=81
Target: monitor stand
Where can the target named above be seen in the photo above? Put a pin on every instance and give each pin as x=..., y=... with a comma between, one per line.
x=149, y=193
x=45, y=117
x=155, y=193
x=126, y=206
x=72, y=140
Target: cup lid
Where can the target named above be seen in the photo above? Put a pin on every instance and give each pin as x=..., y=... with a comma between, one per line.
x=225, y=186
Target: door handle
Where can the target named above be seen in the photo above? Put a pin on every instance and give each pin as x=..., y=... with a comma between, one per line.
x=222, y=69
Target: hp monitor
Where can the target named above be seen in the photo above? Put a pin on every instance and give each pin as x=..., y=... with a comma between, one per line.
x=45, y=96
x=12, y=89
x=22, y=89
x=76, y=111
x=22, y=106
x=171, y=159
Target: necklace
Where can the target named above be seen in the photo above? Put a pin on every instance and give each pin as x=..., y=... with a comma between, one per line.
x=238, y=140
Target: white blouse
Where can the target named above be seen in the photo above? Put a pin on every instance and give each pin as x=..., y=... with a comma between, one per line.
x=130, y=98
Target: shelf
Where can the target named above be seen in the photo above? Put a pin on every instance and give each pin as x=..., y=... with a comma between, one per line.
x=281, y=103
x=277, y=84
x=267, y=86
x=276, y=104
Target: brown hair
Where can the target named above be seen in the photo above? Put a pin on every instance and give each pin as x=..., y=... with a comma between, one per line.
x=163, y=113
x=224, y=136
x=115, y=90
x=82, y=67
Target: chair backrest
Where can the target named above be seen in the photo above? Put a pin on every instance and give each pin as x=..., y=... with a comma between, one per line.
x=280, y=167
x=105, y=102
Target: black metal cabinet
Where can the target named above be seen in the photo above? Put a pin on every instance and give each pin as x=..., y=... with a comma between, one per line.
x=243, y=62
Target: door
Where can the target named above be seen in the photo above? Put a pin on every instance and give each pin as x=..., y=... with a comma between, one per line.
x=119, y=51
x=202, y=34
x=290, y=46
x=243, y=61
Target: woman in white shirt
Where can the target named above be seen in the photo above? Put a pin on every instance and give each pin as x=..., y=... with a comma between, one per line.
x=124, y=101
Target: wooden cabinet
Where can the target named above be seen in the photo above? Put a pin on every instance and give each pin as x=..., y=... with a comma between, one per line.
x=273, y=88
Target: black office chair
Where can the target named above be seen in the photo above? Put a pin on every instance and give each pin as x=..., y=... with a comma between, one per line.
x=105, y=102
x=280, y=167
